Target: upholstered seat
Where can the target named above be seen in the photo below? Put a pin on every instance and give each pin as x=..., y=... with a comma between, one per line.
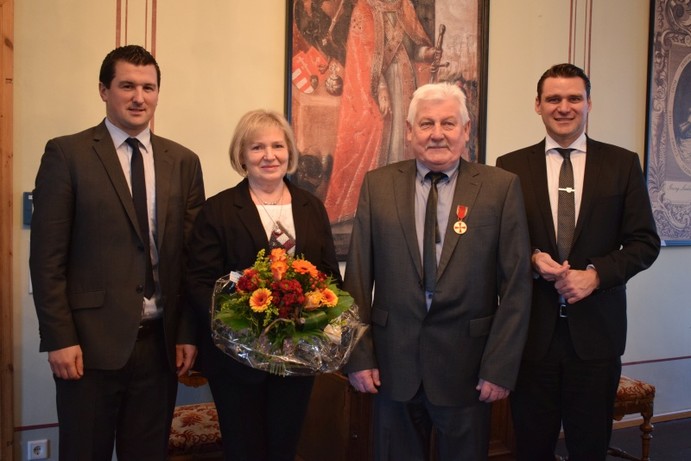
x=194, y=433
x=635, y=396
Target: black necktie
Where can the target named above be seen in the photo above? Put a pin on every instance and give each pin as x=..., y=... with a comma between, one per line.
x=566, y=210
x=431, y=235
x=141, y=208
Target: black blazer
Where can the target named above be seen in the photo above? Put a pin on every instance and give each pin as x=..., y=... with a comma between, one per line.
x=87, y=258
x=615, y=232
x=227, y=236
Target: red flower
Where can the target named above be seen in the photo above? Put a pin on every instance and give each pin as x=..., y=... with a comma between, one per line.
x=287, y=296
x=249, y=281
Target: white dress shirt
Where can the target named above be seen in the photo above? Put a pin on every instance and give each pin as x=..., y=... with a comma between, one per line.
x=124, y=152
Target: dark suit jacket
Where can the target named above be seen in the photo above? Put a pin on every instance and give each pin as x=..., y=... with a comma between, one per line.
x=87, y=254
x=478, y=319
x=227, y=236
x=615, y=232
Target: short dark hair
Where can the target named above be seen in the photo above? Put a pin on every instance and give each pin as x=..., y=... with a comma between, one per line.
x=565, y=71
x=134, y=54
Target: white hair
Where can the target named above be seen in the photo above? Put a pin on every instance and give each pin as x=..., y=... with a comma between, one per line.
x=438, y=92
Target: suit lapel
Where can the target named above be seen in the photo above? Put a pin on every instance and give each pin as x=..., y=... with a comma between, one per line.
x=404, y=196
x=163, y=166
x=593, y=169
x=248, y=216
x=467, y=188
x=538, y=175
x=300, y=218
x=103, y=146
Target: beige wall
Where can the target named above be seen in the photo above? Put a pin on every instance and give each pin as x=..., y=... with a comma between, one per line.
x=221, y=58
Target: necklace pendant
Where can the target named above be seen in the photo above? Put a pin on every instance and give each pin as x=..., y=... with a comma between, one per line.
x=277, y=229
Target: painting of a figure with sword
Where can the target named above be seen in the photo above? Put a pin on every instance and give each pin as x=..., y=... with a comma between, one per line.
x=354, y=67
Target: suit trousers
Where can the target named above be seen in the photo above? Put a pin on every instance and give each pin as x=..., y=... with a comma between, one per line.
x=405, y=430
x=130, y=408
x=260, y=420
x=563, y=389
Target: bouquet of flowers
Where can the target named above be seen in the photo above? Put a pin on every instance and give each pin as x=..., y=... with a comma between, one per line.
x=284, y=316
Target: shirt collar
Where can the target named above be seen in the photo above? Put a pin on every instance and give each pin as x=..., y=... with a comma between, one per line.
x=579, y=144
x=422, y=170
x=119, y=136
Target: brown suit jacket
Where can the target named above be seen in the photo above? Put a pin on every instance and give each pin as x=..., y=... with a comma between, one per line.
x=87, y=258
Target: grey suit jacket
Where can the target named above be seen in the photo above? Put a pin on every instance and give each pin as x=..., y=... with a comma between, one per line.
x=477, y=323
x=615, y=232
x=87, y=254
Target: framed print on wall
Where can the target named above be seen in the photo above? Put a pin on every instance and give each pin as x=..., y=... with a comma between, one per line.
x=668, y=139
x=352, y=66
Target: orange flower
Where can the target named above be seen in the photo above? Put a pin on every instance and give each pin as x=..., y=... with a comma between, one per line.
x=302, y=266
x=278, y=254
x=260, y=299
x=313, y=300
x=279, y=269
x=329, y=298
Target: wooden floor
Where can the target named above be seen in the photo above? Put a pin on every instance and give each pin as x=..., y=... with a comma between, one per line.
x=671, y=441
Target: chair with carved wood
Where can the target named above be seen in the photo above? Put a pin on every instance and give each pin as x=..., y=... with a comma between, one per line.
x=635, y=396
x=194, y=433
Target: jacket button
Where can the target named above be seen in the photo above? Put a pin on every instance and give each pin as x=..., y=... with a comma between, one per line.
x=140, y=288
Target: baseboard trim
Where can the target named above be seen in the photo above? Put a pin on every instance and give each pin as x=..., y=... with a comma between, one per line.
x=637, y=421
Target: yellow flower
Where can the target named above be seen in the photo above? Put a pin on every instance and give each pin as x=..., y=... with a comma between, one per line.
x=313, y=300
x=329, y=298
x=302, y=266
x=260, y=299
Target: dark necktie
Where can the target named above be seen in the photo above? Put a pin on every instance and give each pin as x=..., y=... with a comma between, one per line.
x=141, y=208
x=431, y=233
x=566, y=210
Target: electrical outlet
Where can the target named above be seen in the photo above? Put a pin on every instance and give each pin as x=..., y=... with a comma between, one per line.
x=37, y=449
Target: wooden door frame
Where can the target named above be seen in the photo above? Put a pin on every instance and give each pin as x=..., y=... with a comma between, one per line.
x=6, y=225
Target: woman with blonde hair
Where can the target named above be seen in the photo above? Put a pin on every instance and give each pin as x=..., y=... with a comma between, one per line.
x=260, y=414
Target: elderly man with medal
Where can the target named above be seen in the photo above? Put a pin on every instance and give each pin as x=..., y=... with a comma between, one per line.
x=445, y=242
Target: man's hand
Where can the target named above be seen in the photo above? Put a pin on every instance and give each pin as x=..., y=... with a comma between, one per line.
x=184, y=357
x=365, y=380
x=577, y=284
x=491, y=392
x=548, y=268
x=67, y=363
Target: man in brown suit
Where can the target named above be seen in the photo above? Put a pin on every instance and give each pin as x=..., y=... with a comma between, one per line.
x=107, y=275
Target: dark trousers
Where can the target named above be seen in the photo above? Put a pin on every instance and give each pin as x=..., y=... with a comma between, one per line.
x=564, y=390
x=130, y=408
x=403, y=430
x=260, y=420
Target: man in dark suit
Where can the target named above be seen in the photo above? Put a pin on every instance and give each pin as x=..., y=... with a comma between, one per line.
x=107, y=273
x=443, y=342
x=572, y=360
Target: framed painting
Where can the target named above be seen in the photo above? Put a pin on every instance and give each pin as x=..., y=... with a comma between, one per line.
x=668, y=137
x=352, y=66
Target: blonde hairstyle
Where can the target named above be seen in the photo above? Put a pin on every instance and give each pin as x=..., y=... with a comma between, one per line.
x=248, y=126
x=438, y=92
